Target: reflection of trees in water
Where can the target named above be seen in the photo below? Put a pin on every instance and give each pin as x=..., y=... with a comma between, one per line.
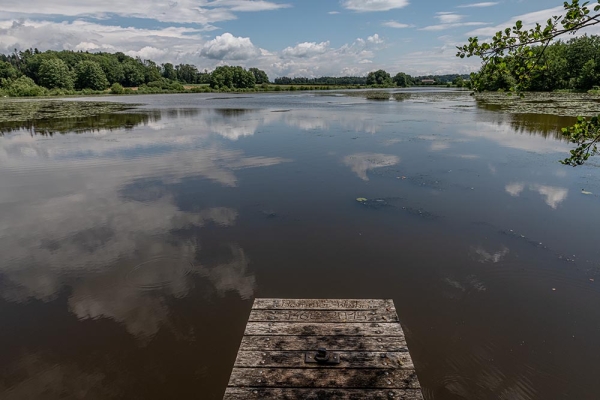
x=175, y=113
x=81, y=124
x=401, y=96
x=55, y=116
x=546, y=125
x=50, y=117
x=233, y=112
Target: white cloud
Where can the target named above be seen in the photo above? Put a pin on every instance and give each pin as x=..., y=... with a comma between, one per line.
x=374, y=5
x=439, y=60
x=450, y=20
x=479, y=5
x=448, y=17
x=529, y=20
x=171, y=43
x=182, y=11
x=318, y=60
x=247, y=5
x=375, y=39
x=333, y=12
x=306, y=49
x=396, y=24
x=229, y=47
x=442, y=27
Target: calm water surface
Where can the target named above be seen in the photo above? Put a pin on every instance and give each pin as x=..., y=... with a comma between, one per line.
x=130, y=256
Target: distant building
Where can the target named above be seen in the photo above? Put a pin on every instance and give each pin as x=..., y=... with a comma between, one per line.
x=427, y=81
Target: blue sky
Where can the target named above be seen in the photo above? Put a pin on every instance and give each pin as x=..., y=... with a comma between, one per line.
x=285, y=38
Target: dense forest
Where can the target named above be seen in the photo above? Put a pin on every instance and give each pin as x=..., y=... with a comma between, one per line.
x=566, y=65
x=35, y=73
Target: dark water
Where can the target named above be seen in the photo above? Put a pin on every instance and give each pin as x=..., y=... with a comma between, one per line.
x=130, y=254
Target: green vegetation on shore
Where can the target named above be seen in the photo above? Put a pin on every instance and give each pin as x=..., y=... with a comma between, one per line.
x=62, y=73
x=520, y=60
x=572, y=65
x=377, y=79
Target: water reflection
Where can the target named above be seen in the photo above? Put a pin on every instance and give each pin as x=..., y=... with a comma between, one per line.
x=515, y=189
x=484, y=256
x=128, y=259
x=94, y=123
x=553, y=195
x=545, y=125
x=110, y=234
x=504, y=135
x=138, y=296
x=361, y=163
x=47, y=117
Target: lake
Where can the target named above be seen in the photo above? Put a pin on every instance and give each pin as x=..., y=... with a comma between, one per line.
x=133, y=244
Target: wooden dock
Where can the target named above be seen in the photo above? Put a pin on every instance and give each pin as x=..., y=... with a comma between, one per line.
x=323, y=349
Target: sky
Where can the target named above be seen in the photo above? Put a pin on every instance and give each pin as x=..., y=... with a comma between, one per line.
x=283, y=37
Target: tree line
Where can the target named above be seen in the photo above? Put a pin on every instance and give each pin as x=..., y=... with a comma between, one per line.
x=35, y=73
x=379, y=78
x=564, y=65
x=32, y=73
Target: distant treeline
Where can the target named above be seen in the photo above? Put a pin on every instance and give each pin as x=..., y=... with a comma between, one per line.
x=35, y=73
x=324, y=80
x=442, y=79
x=570, y=65
x=375, y=78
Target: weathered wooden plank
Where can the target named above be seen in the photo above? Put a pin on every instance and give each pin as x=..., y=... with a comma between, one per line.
x=324, y=378
x=322, y=304
x=295, y=359
x=374, y=315
x=319, y=394
x=323, y=329
x=338, y=343
x=375, y=362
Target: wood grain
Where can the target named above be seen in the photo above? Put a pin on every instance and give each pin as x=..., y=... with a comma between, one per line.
x=339, y=343
x=321, y=304
x=324, y=329
x=324, y=378
x=295, y=359
x=307, y=316
x=318, y=394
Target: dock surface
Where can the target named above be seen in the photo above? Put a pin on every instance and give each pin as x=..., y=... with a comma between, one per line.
x=366, y=354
